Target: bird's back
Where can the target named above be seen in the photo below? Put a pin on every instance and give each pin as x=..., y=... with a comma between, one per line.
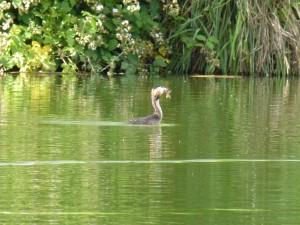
x=147, y=120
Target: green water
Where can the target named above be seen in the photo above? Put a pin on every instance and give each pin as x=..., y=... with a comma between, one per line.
x=227, y=151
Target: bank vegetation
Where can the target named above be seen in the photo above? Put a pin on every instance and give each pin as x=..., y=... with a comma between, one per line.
x=236, y=37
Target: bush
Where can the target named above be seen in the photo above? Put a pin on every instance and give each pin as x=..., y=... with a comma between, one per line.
x=137, y=36
x=83, y=35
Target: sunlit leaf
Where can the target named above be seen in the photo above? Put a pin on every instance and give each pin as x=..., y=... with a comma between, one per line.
x=162, y=50
x=47, y=48
x=17, y=3
x=15, y=30
x=35, y=44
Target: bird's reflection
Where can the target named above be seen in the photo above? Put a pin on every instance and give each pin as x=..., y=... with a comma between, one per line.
x=155, y=143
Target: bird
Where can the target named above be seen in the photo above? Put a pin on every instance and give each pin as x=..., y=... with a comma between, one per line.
x=157, y=116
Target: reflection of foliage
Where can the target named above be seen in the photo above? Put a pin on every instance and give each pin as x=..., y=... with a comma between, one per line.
x=75, y=35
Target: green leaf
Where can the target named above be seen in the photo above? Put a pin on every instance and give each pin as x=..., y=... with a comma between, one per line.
x=154, y=8
x=106, y=55
x=5, y=61
x=139, y=23
x=201, y=37
x=50, y=66
x=112, y=44
x=124, y=65
x=26, y=18
x=70, y=34
x=46, y=4
x=65, y=6
x=17, y=3
x=70, y=41
x=92, y=54
x=72, y=3
x=131, y=70
x=109, y=25
x=200, y=45
x=213, y=39
x=17, y=44
x=210, y=45
x=190, y=43
x=31, y=55
x=16, y=40
x=50, y=40
x=15, y=30
x=53, y=13
x=159, y=63
x=133, y=59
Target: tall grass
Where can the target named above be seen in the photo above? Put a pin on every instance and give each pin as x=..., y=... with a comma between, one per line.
x=241, y=37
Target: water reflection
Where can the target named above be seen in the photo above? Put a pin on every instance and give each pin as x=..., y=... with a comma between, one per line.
x=155, y=143
x=67, y=158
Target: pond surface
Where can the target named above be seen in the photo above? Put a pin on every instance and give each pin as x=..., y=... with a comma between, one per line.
x=227, y=151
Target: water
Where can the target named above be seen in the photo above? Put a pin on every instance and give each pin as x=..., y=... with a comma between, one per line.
x=227, y=151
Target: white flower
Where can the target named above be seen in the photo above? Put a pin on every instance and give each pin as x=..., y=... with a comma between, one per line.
x=138, y=7
x=125, y=22
x=133, y=7
x=119, y=36
x=99, y=23
x=93, y=46
x=99, y=7
x=5, y=26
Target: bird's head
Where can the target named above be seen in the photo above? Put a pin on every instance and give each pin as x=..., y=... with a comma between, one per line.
x=159, y=90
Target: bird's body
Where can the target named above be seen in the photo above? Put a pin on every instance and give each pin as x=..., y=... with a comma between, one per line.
x=156, y=117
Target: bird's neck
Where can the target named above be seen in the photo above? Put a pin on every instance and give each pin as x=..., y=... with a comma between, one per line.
x=157, y=108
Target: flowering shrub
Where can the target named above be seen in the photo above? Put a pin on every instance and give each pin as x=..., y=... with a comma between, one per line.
x=84, y=35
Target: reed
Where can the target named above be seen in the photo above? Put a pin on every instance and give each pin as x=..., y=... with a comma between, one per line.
x=237, y=37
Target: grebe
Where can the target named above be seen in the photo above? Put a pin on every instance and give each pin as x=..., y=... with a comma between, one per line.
x=156, y=117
